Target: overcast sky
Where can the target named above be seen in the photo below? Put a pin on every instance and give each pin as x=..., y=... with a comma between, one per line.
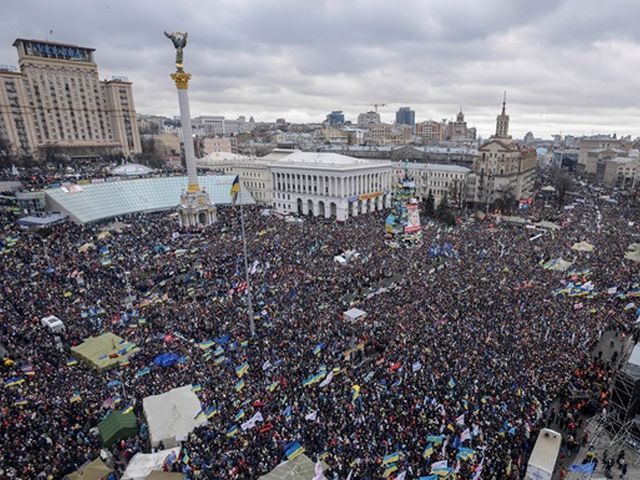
x=568, y=66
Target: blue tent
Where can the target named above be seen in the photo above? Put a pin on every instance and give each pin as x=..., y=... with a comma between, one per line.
x=166, y=359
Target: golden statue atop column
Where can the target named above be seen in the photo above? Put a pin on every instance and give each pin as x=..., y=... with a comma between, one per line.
x=195, y=207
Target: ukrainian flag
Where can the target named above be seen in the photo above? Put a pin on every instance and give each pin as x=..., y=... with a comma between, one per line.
x=206, y=344
x=465, y=453
x=355, y=392
x=389, y=470
x=452, y=383
x=129, y=409
x=71, y=362
x=13, y=381
x=75, y=398
x=242, y=369
x=239, y=416
x=244, y=343
x=314, y=378
x=20, y=402
x=232, y=431
x=27, y=370
x=318, y=348
x=391, y=458
x=239, y=386
x=219, y=351
x=196, y=388
x=235, y=190
x=428, y=451
x=273, y=386
x=293, y=450
x=219, y=360
x=442, y=472
x=211, y=411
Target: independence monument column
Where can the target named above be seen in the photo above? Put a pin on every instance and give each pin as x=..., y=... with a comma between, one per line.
x=195, y=207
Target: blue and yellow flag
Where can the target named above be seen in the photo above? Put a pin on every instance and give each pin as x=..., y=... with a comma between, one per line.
x=232, y=431
x=239, y=386
x=391, y=458
x=212, y=411
x=13, y=381
x=293, y=450
x=428, y=451
x=235, y=190
x=389, y=470
x=239, y=416
x=242, y=369
x=75, y=398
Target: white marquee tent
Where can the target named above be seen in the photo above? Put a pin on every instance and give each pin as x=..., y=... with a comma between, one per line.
x=172, y=415
x=142, y=464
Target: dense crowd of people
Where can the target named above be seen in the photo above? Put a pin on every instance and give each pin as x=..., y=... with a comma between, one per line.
x=462, y=358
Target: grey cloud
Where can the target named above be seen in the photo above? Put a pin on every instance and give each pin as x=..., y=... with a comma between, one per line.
x=569, y=65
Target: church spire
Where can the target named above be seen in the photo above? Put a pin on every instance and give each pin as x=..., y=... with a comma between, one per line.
x=502, y=120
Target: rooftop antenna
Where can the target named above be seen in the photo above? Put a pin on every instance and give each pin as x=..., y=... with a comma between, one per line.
x=504, y=102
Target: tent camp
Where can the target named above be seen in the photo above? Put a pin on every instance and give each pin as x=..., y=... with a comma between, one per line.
x=142, y=465
x=354, y=314
x=557, y=265
x=95, y=470
x=300, y=468
x=117, y=426
x=105, y=351
x=582, y=247
x=172, y=414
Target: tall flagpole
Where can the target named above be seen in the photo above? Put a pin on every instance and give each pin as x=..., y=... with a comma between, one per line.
x=252, y=325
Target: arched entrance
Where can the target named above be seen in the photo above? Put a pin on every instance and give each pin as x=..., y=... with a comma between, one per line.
x=321, y=209
x=202, y=218
x=310, y=207
x=333, y=210
x=300, y=205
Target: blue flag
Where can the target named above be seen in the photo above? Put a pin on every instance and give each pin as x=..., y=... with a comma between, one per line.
x=587, y=468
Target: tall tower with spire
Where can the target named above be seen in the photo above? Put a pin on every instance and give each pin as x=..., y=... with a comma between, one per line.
x=502, y=120
x=195, y=208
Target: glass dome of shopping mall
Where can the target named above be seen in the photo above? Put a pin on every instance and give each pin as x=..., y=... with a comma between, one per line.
x=97, y=201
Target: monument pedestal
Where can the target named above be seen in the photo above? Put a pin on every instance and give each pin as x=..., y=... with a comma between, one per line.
x=196, y=210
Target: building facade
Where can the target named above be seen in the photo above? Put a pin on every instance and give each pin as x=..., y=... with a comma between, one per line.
x=335, y=118
x=504, y=171
x=330, y=185
x=430, y=131
x=57, y=101
x=253, y=172
x=592, y=148
x=439, y=179
x=406, y=116
x=458, y=130
x=387, y=134
x=619, y=172
x=366, y=119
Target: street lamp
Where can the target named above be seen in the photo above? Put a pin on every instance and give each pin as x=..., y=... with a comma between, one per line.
x=129, y=303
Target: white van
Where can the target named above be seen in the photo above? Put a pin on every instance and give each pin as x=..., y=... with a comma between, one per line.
x=544, y=455
x=53, y=323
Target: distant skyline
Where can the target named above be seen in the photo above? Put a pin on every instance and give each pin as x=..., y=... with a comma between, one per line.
x=569, y=66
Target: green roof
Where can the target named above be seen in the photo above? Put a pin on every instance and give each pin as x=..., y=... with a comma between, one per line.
x=117, y=426
x=105, y=351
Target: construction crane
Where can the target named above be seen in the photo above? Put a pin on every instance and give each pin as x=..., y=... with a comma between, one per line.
x=376, y=105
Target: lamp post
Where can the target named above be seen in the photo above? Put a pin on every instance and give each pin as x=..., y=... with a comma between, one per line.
x=129, y=304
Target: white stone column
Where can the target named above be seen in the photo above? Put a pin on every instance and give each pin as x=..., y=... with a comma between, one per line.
x=187, y=139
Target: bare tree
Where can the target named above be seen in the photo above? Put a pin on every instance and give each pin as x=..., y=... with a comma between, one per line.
x=564, y=182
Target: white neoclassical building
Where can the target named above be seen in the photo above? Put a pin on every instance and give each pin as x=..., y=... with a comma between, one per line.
x=330, y=185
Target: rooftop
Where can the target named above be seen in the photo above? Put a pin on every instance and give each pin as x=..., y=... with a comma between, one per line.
x=131, y=169
x=324, y=159
x=98, y=201
x=59, y=44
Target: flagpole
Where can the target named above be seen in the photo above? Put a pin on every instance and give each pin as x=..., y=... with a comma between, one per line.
x=252, y=325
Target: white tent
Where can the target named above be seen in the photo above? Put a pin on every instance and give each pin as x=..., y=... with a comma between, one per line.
x=172, y=414
x=142, y=464
x=300, y=468
x=354, y=314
